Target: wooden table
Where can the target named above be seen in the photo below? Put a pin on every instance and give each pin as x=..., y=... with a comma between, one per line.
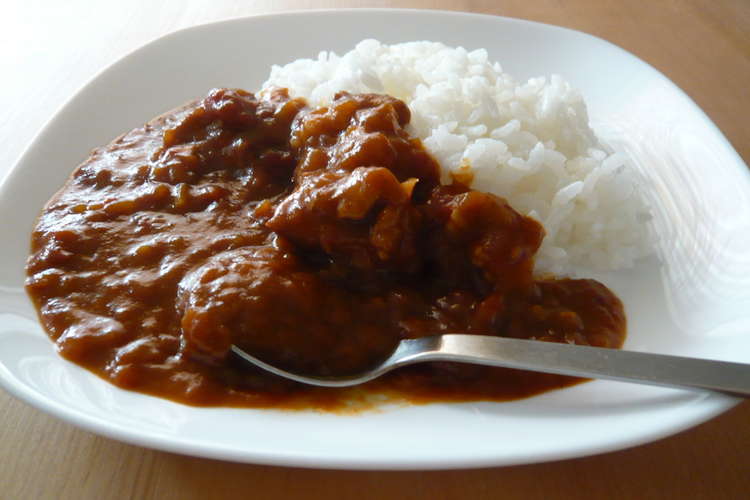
x=49, y=51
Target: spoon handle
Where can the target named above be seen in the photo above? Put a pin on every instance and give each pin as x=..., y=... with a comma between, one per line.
x=595, y=362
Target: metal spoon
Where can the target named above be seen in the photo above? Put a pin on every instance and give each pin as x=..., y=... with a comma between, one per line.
x=582, y=361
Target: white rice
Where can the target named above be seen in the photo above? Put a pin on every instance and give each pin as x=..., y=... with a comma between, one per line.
x=527, y=142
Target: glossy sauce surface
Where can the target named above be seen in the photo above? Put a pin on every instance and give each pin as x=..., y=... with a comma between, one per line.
x=315, y=239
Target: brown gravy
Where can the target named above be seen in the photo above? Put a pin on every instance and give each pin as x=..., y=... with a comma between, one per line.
x=313, y=238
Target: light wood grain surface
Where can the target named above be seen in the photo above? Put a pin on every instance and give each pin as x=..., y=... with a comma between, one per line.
x=50, y=49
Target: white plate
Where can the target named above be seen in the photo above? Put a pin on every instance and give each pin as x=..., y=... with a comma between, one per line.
x=695, y=302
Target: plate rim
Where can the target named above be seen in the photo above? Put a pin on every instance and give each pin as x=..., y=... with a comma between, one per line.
x=147, y=439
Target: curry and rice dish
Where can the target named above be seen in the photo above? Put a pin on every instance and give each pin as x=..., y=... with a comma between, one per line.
x=314, y=237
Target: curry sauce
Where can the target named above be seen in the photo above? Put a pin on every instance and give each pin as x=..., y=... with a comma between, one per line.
x=315, y=239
